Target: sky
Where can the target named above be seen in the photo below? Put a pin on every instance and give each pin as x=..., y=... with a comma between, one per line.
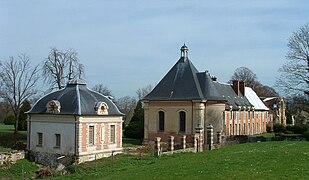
x=128, y=44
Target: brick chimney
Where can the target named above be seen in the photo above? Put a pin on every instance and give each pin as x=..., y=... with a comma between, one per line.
x=236, y=87
x=242, y=86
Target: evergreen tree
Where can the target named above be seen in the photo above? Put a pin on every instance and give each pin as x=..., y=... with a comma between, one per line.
x=135, y=129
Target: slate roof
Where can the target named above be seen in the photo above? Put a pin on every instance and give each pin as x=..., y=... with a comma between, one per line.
x=232, y=100
x=75, y=99
x=184, y=82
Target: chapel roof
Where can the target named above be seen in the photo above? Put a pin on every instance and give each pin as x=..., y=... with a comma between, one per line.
x=185, y=82
x=75, y=99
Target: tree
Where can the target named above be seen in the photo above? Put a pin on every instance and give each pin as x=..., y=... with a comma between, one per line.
x=100, y=88
x=135, y=129
x=60, y=67
x=294, y=77
x=246, y=75
x=127, y=105
x=142, y=92
x=265, y=91
x=26, y=106
x=18, y=83
x=250, y=79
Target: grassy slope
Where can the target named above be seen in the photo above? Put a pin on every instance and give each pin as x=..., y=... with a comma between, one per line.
x=269, y=160
x=10, y=140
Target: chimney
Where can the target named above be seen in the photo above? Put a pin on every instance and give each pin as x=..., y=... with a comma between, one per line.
x=236, y=87
x=242, y=86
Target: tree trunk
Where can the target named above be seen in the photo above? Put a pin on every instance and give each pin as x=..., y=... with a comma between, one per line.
x=16, y=123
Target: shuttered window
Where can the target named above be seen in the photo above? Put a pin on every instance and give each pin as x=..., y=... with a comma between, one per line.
x=112, y=134
x=40, y=139
x=58, y=140
x=91, y=135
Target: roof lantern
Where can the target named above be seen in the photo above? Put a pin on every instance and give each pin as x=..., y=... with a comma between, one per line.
x=184, y=51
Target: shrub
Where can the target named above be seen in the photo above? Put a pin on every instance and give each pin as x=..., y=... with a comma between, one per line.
x=299, y=129
x=306, y=135
x=279, y=128
x=9, y=120
x=268, y=128
x=288, y=132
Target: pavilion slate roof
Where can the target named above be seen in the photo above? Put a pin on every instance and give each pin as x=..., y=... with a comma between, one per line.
x=75, y=99
x=185, y=82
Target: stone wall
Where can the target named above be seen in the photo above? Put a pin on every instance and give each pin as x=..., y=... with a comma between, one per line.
x=52, y=160
x=11, y=157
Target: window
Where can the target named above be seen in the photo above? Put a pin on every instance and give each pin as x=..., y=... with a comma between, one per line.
x=58, y=140
x=182, y=121
x=40, y=139
x=231, y=114
x=161, y=121
x=231, y=129
x=244, y=129
x=91, y=135
x=112, y=134
x=239, y=129
x=248, y=128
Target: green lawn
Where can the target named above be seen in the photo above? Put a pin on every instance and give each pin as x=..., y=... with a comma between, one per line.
x=267, y=160
x=9, y=140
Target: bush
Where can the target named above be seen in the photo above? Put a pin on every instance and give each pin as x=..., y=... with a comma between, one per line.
x=279, y=128
x=306, y=135
x=288, y=132
x=9, y=120
x=299, y=129
x=268, y=128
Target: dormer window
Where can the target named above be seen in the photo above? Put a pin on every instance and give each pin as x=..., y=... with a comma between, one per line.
x=53, y=106
x=101, y=108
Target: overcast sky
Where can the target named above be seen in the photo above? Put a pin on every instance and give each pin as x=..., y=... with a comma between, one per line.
x=128, y=44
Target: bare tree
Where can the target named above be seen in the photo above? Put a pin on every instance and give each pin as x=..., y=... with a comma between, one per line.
x=18, y=83
x=295, y=72
x=246, y=75
x=142, y=92
x=127, y=105
x=60, y=67
x=265, y=91
x=100, y=88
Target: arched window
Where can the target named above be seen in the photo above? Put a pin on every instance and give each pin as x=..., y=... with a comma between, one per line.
x=182, y=121
x=161, y=121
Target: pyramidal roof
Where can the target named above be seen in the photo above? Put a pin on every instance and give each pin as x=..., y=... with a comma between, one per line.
x=185, y=82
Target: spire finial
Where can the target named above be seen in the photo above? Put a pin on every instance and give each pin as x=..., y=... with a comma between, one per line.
x=184, y=51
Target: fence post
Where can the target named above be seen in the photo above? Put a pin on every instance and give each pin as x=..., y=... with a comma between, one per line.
x=171, y=143
x=157, y=147
x=196, y=138
x=219, y=138
x=183, y=142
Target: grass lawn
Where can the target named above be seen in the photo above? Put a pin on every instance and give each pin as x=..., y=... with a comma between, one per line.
x=267, y=160
x=129, y=142
x=10, y=140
